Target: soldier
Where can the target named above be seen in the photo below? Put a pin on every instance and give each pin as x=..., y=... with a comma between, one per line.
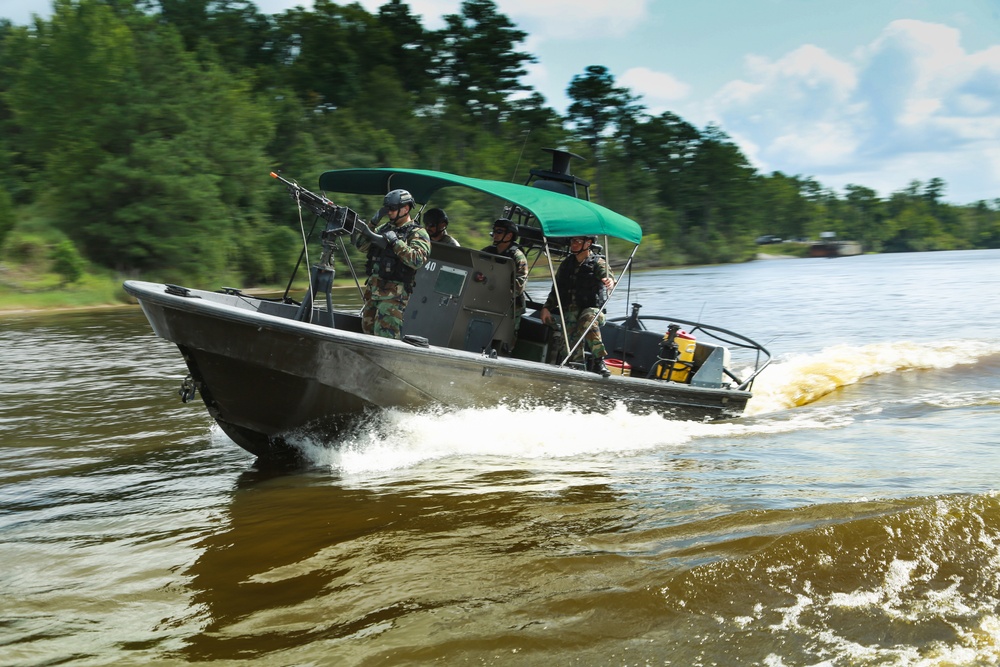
x=582, y=280
x=505, y=243
x=436, y=222
x=396, y=250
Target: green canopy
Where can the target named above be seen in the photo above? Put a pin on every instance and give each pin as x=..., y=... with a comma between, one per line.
x=557, y=214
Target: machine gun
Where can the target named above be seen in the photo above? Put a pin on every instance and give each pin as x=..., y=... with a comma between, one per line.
x=339, y=219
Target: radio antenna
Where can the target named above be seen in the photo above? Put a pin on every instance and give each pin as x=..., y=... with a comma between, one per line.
x=521, y=154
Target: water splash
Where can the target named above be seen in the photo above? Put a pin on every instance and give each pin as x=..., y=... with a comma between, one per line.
x=396, y=440
x=907, y=582
x=803, y=379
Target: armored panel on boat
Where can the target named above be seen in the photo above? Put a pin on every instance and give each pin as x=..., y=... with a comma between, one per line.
x=462, y=300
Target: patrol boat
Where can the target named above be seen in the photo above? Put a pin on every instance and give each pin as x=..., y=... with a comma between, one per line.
x=272, y=371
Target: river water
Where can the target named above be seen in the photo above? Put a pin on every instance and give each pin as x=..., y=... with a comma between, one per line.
x=851, y=518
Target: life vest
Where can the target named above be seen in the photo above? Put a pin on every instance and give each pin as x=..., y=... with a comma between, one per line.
x=390, y=267
x=580, y=283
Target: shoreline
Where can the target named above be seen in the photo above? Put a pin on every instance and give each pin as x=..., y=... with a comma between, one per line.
x=14, y=311
x=18, y=311
x=9, y=312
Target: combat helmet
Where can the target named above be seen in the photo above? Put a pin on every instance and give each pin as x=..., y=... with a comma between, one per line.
x=397, y=198
x=435, y=216
x=509, y=225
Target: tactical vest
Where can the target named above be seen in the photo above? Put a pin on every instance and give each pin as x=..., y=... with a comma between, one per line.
x=581, y=286
x=390, y=267
x=509, y=252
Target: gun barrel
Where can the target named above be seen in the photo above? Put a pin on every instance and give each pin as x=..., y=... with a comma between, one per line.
x=340, y=219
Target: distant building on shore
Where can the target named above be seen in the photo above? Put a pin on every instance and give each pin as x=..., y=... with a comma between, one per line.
x=829, y=246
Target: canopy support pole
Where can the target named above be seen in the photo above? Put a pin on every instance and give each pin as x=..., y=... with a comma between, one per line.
x=628, y=264
x=555, y=288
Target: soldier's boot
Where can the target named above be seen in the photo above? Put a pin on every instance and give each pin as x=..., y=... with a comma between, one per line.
x=599, y=367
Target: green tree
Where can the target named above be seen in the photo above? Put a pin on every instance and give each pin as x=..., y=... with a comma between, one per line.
x=410, y=52
x=478, y=62
x=598, y=104
x=152, y=154
x=67, y=262
x=6, y=216
x=241, y=35
x=983, y=224
x=666, y=146
x=10, y=181
x=530, y=127
x=781, y=208
x=864, y=221
x=934, y=190
x=822, y=207
x=188, y=17
x=717, y=216
x=326, y=53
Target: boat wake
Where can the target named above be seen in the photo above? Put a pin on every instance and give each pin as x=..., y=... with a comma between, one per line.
x=506, y=435
x=395, y=439
x=804, y=379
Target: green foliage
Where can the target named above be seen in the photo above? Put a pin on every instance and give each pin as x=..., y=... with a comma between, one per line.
x=153, y=151
x=138, y=140
x=67, y=262
x=477, y=61
x=597, y=103
x=26, y=247
x=6, y=216
x=268, y=254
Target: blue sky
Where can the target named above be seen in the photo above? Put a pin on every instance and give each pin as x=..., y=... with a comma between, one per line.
x=871, y=92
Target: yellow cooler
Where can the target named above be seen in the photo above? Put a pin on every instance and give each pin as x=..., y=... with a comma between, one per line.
x=679, y=370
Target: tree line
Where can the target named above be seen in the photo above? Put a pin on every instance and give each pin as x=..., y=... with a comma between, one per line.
x=137, y=136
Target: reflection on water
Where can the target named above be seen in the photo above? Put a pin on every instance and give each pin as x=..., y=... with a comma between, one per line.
x=852, y=518
x=339, y=563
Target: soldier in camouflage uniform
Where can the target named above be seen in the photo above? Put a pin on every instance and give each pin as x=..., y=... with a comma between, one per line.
x=505, y=244
x=396, y=251
x=436, y=222
x=582, y=280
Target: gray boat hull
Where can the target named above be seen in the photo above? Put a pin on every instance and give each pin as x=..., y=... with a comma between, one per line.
x=267, y=378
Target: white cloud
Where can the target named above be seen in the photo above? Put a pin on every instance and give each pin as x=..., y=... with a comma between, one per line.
x=795, y=111
x=910, y=105
x=552, y=18
x=942, y=98
x=563, y=18
x=655, y=87
x=970, y=175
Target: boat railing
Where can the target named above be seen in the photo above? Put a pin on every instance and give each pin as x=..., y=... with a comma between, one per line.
x=762, y=357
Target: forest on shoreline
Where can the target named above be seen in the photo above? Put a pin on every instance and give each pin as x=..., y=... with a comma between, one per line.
x=137, y=137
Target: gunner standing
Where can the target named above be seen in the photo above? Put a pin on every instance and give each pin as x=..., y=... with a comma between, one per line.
x=396, y=251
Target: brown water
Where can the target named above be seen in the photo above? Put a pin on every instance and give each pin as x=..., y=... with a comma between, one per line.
x=850, y=519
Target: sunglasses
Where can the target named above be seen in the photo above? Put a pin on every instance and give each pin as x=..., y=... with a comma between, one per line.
x=392, y=208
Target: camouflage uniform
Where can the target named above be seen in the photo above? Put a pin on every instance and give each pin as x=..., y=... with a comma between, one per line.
x=577, y=322
x=581, y=290
x=448, y=239
x=435, y=218
x=386, y=299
